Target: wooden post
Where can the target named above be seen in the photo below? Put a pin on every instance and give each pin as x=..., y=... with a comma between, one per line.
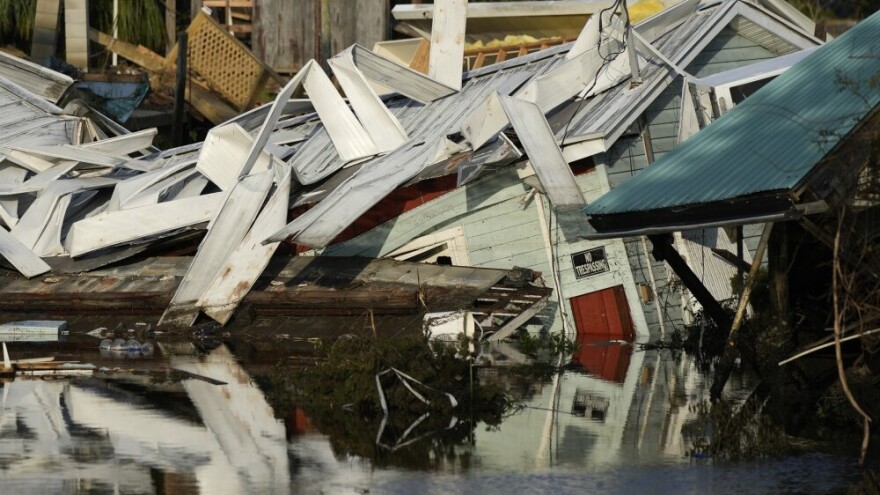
x=177, y=129
x=778, y=261
x=740, y=272
x=170, y=23
x=725, y=365
x=325, y=34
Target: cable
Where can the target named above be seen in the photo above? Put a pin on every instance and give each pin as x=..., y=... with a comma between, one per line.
x=605, y=60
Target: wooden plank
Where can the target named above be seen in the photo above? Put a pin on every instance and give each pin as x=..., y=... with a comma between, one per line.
x=520, y=8
x=540, y=145
x=138, y=54
x=242, y=269
x=228, y=3
x=76, y=27
x=401, y=79
x=124, y=226
x=479, y=61
x=170, y=23
x=44, y=41
x=423, y=55
x=213, y=108
x=226, y=231
x=382, y=126
x=22, y=258
x=447, y=42
x=285, y=33
x=357, y=21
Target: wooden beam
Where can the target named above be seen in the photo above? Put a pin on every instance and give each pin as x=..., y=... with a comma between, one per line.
x=420, y=59
x=664, y=251
x=447, y=42
x=138, y=54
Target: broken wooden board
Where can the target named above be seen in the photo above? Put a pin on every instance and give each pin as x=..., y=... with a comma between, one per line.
x=138, y=54
x=229, y=226
x=125, y=226
x=239, y=273
x=23, y=259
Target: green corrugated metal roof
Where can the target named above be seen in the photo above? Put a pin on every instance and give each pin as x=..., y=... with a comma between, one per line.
x=770, y=141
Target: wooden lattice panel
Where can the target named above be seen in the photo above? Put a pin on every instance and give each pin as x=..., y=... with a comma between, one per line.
x=228, y=66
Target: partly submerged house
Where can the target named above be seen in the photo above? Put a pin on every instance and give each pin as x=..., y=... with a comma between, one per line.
x=430, y=173
x=801, y=145
x=500, y=215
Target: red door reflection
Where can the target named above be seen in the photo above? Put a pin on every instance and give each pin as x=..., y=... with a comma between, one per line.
x=600, y=317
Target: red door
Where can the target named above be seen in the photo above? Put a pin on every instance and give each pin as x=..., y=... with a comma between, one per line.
x=602, y=316
x=603, y=313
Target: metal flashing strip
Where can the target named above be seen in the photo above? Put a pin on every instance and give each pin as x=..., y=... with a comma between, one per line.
x=668, y=228
x=23, y=259
x=404, y=80
x=480, y=10
x=132, y=225
x=553, y=171
x=382, y=126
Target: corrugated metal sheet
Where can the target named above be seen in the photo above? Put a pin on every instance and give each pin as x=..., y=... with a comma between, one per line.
x=771, y=140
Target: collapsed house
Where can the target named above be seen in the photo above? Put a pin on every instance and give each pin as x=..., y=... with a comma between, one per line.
x=489, y=169
x=796, y=157
x=491, y=216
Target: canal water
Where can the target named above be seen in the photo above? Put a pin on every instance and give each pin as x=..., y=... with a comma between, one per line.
x=623, y=421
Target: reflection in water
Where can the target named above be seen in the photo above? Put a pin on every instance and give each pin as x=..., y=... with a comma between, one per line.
x=80, y=435
x=615, y=427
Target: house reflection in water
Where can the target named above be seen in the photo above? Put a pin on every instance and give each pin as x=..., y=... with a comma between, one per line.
x=628, y=406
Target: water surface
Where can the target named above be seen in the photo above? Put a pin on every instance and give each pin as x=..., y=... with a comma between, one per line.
x=622, y=424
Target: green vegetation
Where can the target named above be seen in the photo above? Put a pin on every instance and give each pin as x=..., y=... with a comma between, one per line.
x=140, y=21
